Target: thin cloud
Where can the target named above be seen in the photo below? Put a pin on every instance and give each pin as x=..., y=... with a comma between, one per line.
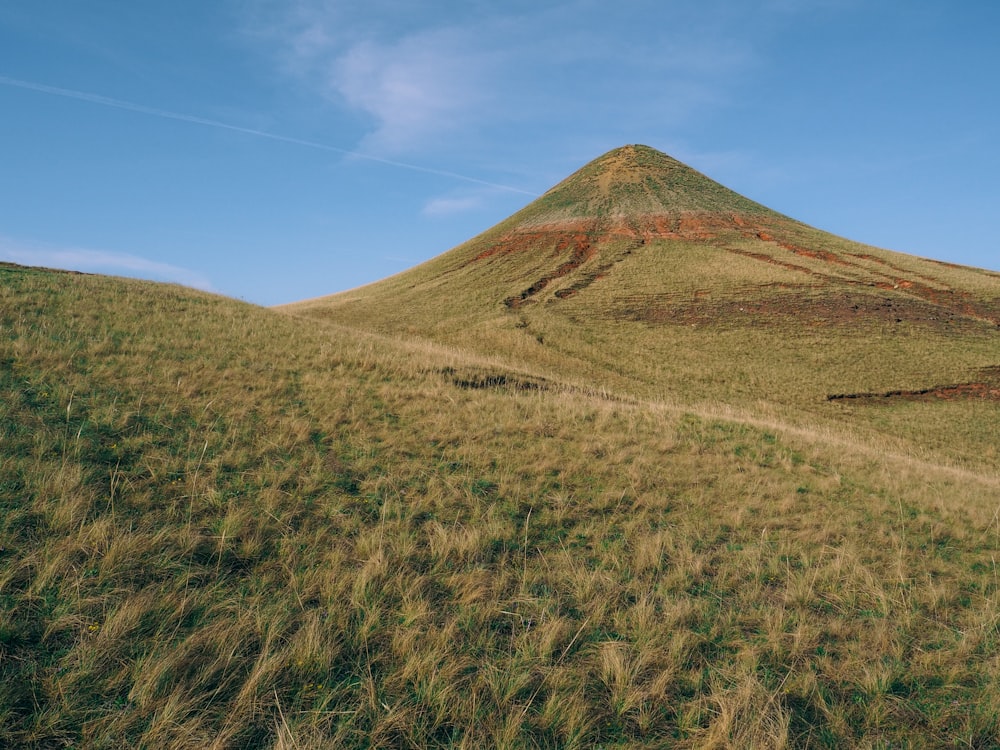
x=106, y=101
x=100, y=261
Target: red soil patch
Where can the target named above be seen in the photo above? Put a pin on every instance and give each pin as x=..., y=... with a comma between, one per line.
x=561, y=234
x=519, y=242
x=824, y=255
x=695, y=226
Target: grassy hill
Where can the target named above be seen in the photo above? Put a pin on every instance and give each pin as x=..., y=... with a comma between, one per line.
x=639, y=274
x=616, y=511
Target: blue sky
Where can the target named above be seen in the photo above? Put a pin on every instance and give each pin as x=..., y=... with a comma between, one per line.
x=276, y=150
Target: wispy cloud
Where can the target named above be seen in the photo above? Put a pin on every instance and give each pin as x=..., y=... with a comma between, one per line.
x=415, y=80
x=422, y=79
x=100, y=261
x=421, y=88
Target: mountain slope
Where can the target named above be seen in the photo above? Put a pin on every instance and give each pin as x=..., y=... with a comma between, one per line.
x=641, y=274
x=226, y=527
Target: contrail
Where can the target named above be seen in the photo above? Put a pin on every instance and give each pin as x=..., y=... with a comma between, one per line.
x=167, y=114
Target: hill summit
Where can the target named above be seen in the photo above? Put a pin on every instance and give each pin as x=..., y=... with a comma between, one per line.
x=637, y=181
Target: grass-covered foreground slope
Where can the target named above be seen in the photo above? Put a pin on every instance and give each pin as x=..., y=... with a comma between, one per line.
x=223, y=526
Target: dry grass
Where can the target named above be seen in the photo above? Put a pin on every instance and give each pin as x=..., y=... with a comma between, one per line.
x=224, y=527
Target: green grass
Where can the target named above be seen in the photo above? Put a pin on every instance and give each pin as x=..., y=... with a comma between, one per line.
x=225, y=527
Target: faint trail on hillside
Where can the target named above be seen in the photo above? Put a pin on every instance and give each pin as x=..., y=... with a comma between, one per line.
x=195, y=120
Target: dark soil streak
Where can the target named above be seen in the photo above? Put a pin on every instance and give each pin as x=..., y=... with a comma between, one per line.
x=582, y=252
x=494, y=381
x=981, y=391
x=598, y=274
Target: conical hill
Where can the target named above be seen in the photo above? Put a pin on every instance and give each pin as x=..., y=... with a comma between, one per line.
x=637, y=235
